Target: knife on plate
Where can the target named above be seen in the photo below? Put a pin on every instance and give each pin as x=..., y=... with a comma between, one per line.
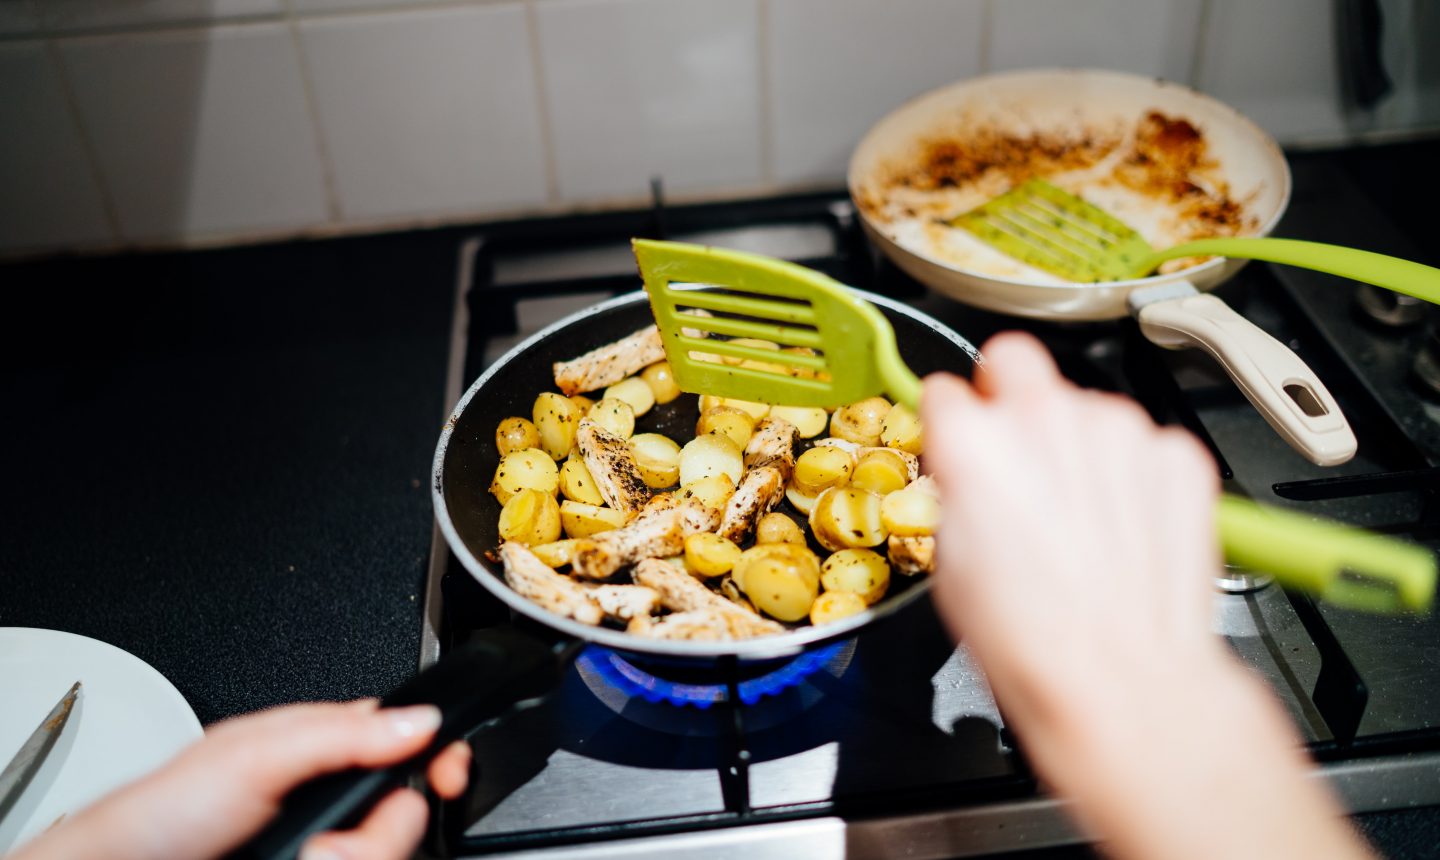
x=26, y=763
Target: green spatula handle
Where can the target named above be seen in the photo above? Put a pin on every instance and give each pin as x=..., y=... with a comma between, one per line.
x=1392, y=273
x=1340, y=564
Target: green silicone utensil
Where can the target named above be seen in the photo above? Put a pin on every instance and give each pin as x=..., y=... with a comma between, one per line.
x=776, y=301
x=855, y=356
x=1057, y=232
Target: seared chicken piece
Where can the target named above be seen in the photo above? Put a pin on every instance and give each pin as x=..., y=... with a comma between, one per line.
x=912, y=555
x=773, y=444
x=624, y=602
x=652, y=534
x=843, y=444
x=701, y=625
x=659, y=502
x=610, y=363
x=759, y=492
x=611, y=464
x=533, y=579
x=681, y=592
x=925, y=483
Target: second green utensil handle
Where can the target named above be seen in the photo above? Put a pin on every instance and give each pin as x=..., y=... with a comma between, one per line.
x=1323, y=557
x=1382, y=270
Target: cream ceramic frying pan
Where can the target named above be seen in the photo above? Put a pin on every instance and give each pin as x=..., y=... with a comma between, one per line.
x=927, y=162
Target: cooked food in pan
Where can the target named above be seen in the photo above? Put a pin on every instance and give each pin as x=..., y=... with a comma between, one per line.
x=749, y=527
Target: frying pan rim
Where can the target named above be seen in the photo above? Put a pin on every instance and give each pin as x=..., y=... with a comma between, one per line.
x=852, y=180
x=760, y=648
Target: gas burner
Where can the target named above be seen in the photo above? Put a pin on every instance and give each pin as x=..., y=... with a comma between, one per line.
x=1388, y=308
x=686, y=686
x=677, y=699
x=1239, y=580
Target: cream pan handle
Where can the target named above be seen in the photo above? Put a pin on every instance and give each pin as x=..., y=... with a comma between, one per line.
x=1285, y=390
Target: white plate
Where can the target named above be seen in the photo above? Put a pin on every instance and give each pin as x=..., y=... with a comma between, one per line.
x=128, y=721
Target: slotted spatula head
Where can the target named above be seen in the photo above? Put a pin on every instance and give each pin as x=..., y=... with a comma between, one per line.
x=836, y=348
x=1057, y=232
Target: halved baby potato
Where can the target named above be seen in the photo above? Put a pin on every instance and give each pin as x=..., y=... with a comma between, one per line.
x=860, y=422
x=775, y=527
x=614, y=415
x=781, y=579
x=845, y=517
x=713, y=492
x=516, y=434
x=809, y=421
x=661, y=380
x=530, y=469
x=756, y=410
x=901, y=429
x=576, y=483
x=737, y=424
x=710, y=554
x=835, y=605
x=556, y=418
x=556, y=553
x=859, y=571
x=710, y=455
x=530, y=517
x=634, y=391
x=881, y=471
x=657, y=458
x=911, y=512
x=821, y=468
x=580, y=520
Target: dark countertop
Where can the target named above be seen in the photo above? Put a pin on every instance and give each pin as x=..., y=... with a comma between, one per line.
x=216, y=460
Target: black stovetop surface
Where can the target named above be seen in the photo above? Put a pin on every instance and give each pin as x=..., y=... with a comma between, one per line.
x=907, y=725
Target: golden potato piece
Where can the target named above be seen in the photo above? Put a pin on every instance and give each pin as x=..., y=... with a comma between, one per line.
x=860, y=422
x=661, y=380
x=714, y=491
x=911, y=512
x=634, y=391
x=859, y=571
x=901, y=430
x=516, y=434
x=821, y=468
x=775, y=527
x=576, y=483
x=708, y=456
x=710, y=554
x=556, y=418
x=845, y=517
x=580, y=520
x=780, y=584
x=614, y=415
x=756, y=410
x=556, y=553
x=881, y=471
x=530, y=517
x=809, y=421
x=530, y=469
x=658, y=459
x=736, y=424
x=835, y=605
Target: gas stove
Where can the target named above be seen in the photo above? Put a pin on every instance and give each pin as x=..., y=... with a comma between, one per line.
x=890, y=744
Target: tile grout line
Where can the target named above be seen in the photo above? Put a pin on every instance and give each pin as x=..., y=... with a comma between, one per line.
x=312, y=112
x=767, y=106
x=92, y=155
x=542, y=102
x=1202, y=39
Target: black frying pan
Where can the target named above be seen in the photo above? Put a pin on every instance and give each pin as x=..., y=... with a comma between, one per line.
x=512, y=667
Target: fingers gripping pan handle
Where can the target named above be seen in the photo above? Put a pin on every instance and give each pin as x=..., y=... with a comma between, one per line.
x=1281, y=386
x=502, y=671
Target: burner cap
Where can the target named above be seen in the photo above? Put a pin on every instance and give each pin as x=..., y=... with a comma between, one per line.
x=623, y=675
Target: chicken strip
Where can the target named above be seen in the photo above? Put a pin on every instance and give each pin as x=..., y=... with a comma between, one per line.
x=533, y=579
x=772, y=444
x=610, y=363
x=912, y=555
x=624, y=602
x=701, y=625
x=759, y=492
x=652, y=534
x=611, y=464
x=681, y=592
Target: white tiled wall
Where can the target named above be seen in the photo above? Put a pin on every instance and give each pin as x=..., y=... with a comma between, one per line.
x=126, y=122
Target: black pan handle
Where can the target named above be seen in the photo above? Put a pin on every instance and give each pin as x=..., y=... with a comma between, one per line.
x=499, y=672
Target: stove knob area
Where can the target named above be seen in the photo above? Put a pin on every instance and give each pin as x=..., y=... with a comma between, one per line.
x=1389, y=309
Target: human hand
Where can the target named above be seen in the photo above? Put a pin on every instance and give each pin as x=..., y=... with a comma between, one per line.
x=224, y=788
x=1076, y=552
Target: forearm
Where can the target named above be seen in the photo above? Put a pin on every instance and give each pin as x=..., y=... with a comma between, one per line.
x=1206, y=766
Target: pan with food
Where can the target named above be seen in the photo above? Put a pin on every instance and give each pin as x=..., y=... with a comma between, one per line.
x=603, y=507
x=1172, y=163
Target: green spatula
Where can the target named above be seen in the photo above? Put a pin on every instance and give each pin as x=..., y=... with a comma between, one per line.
x=1057, y=232
x=855, y=356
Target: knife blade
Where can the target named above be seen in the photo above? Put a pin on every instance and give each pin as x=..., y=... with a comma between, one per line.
x=26, y=763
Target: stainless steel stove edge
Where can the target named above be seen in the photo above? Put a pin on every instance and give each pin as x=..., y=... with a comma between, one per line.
x=1365, y=785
